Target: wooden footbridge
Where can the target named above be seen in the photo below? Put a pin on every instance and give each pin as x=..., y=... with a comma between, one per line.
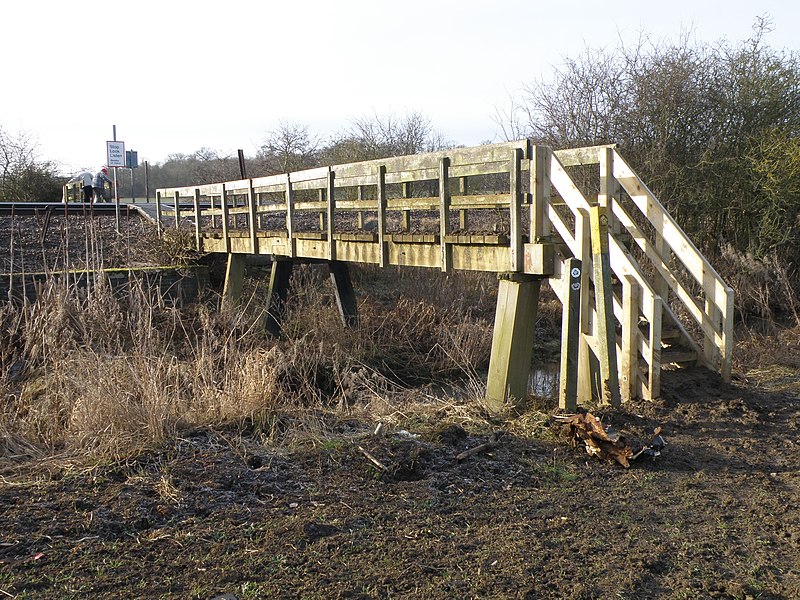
x=637, y=294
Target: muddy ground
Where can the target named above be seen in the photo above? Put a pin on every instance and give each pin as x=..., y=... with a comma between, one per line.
x=218, y=514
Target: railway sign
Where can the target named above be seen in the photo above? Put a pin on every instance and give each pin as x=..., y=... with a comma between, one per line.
x=115, y=152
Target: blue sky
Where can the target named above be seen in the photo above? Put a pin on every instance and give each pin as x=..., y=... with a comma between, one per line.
x=174, y=76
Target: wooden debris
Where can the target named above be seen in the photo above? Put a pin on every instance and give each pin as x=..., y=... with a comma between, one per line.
x=480, y=448
x=374, y=460
x=598, y=442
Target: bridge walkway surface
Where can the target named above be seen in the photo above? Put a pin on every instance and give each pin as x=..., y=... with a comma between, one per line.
x=637, y=295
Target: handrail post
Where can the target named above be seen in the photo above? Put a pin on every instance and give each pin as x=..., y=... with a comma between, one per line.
x=291, y=243
x=515, y=176
x=606, y=331
x=570, y=335
x=609, y=187
x=405, y=215
x=224, y=206
x=444, y=214
x=381, y=192
x=176, y=198
x=196, y=199
x=631, y=299
x=330, y=214
x=540, y=193
x=159, y=228
x=251, y=202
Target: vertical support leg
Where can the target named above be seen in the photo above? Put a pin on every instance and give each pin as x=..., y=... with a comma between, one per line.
x=276, y=297
x=345, y=295
x=605, y=328
x=234, y=276
x=629, y=363
x=512, y=341
x=570, y=336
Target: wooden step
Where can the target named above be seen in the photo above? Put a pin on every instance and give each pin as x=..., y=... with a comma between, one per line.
x=678, y=356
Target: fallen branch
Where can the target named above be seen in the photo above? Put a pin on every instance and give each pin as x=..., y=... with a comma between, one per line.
x=374, y=460
x=480, y=448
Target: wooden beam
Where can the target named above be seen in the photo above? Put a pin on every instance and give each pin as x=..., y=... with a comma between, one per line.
x=345, y=295
x=512, y=341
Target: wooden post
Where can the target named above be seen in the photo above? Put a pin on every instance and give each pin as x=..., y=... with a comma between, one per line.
x=330, y=214
x=382, y=249
x=276, y=296
x=224, y=206
x=251, y=202
x=540, y=193
x=710, y=349
x=727, y=336
x=570, y=335
x=234, y=277
x=585, y=353
x=345, y=295
x=444, y=214
x=196, y=201
x=360, y=216
x=605, y=327
x=291, y=243
x=463, y=217
x=405, y=215
x=177, y=200
x=660, y=285
x=515, y=205
x=512, y=341
x=609, y=187
x=159, y=228
x=629, y=363
x=654, y=351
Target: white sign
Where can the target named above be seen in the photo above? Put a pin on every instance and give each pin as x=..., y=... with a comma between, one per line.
x=115, y=151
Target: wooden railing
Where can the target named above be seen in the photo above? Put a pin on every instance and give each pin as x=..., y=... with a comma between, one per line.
x=507, y=208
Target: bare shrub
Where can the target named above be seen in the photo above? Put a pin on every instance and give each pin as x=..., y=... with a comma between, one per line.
x=762, y=286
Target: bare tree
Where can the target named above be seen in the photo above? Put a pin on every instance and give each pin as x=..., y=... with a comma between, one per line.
x=380, y=136
x=288, y=148
x=23, y=177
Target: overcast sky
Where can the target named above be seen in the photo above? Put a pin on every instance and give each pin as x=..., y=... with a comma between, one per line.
x=175, y=76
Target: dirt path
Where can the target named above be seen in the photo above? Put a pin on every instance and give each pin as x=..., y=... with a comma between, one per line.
x=717, y=515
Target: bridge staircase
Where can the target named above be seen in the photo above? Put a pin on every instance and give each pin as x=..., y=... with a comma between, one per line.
x=638, y=296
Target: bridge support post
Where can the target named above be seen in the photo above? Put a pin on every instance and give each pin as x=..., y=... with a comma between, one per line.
x=512, y=340
x=345, y=295
x=234, y=276
x=277, y=294
x=570, y=335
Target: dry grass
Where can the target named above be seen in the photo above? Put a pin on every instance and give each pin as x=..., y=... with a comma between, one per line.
x=104, y=375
